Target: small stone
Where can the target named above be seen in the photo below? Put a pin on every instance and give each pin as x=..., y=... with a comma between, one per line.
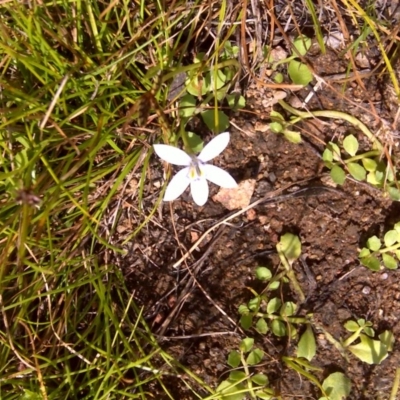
x=238, y=197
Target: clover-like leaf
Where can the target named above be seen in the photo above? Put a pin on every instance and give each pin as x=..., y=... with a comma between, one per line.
x=187, y=105
x=338, y=175
x=234, y=359
x=369, y=350
x=337, y=386
x=290, y=246
x=350, y=144
x=364, y=252
x=263, y=274
x=369, y=164
x=246, y=321
x=391, y=237
x=198, y=86
x=302, y=44
x=327, y=156
x=217, y=125
x=288, y=309
x=299, y=73
x=274, y=305
x=352, y=326
x=307, y=346
x=388, y=261
x=357, y=171
x=371, y=262
x=262, y=326
x=374, y=243
x=278, y=328
x=246, y=344
x=260, y=379
x=255, y=357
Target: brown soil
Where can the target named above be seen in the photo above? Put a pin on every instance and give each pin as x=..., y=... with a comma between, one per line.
x=332, y=224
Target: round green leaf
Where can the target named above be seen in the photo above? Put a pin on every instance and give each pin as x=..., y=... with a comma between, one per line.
x=211, y=122
x=278, y=328
x=307, y=346
x=246, y=321
x=234, y=359
x=261, y=326
x=351, y=326
x=374, y=243
x=237, y=376
x=338, y=175
x=243, y=309
x=274, y=305
x=255, y=357
x=276, y=127
x=288, y=309
x=290, y=246
x=299, y=73
x=217, y=79
x=274, y=285
x=187, y=106
x=357, y=171
x=390, y=238
x=327, y=155
x=263, y=274
x=364, y=252
x=350, y=144
x=302, y=44
x=198, y=86
x=369, y=350
x=246, y=344
x=371, y=262
x=371, y=178
x=260, y=379
x=369, y=164
x=389, y=261
x=337, y=386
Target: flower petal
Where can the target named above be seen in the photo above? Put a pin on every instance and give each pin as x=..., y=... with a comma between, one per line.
x=219, y=176
x=177, y=185
x=172, y=154
x=199, y=188
x=214, y=147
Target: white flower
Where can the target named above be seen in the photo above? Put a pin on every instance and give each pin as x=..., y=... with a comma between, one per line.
x=196, y=171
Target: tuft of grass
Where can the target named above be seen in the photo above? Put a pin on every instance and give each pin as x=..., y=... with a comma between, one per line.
x=69, y=74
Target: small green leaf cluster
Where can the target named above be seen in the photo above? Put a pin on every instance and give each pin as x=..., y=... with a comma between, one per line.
x=388, y=251
x=366, y=167
x=204, y=87
x=298, y=72
x=279, y=125
x=241, y=382
x=269, y=313
x=368, y=349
